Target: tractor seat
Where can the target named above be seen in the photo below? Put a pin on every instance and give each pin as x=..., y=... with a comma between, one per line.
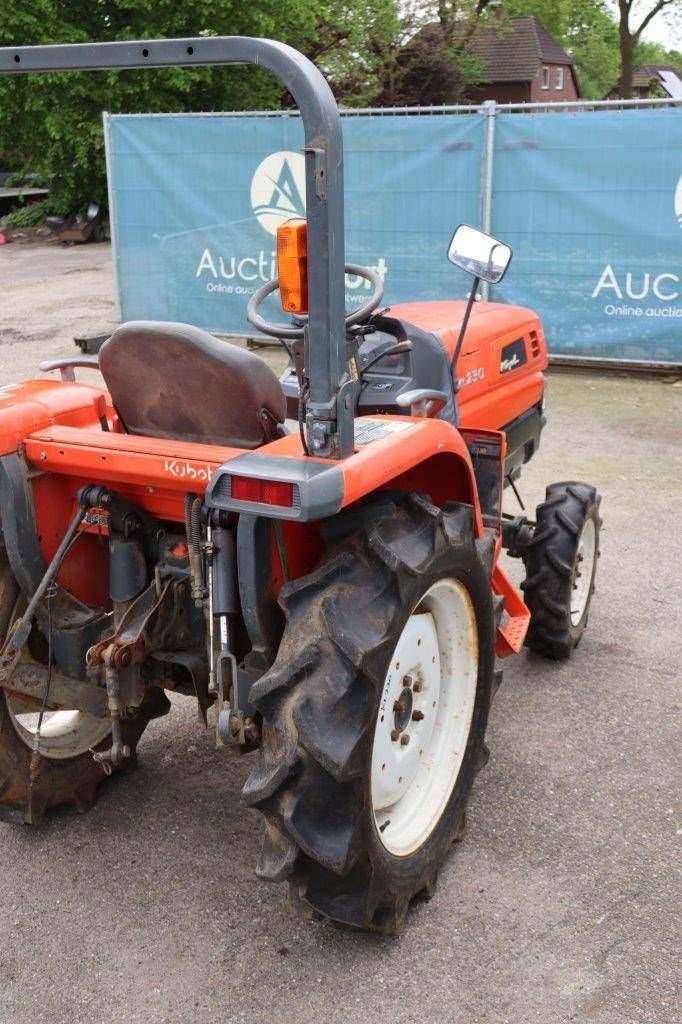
x=178, y=382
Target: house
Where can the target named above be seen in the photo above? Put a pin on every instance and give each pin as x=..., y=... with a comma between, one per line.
x=651, y=81
x=522, y=63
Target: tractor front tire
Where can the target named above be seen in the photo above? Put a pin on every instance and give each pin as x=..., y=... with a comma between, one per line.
x=382, y=684
x=27, y=793
x=561, y=563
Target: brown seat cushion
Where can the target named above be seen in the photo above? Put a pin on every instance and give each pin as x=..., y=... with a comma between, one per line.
x=177, y=381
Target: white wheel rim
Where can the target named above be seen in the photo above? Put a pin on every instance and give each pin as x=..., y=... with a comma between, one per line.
x=64, y=733
x=581, y=581
x=433, y=672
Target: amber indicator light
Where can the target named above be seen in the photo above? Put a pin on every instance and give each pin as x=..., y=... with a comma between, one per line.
x=292, y=265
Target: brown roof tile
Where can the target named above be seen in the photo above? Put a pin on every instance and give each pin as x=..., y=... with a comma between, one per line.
x=513, y=51
x=646, y=73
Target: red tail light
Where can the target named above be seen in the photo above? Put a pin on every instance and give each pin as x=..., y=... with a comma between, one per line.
x=263, y=492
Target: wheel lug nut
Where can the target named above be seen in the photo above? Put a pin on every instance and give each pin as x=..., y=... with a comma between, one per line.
x=404, y=739
x=417, y=687
x=394, y=734
x=399, y=707
x=407, y=681
x=417, y=716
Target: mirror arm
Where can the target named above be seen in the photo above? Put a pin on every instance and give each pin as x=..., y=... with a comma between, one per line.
x=462, y=332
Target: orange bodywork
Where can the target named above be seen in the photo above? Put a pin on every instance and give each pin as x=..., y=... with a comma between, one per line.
x=58, y=427
x=156, y=474
x=34, y=404
x=488, y=399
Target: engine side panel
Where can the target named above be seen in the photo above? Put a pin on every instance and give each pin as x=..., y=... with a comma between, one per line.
x=500, y=368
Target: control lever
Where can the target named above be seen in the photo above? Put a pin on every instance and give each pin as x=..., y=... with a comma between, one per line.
x=423, y=402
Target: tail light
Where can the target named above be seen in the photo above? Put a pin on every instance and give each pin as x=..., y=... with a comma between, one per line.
x=292, y=265
x=263, y=492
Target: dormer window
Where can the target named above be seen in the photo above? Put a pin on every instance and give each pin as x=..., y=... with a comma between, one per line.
x=559, y=78
x=545, y=78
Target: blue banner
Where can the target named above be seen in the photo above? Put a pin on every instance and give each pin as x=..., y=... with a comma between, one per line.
x=589, y=201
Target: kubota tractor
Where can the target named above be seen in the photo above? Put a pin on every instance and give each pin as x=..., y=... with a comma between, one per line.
x=316, y=560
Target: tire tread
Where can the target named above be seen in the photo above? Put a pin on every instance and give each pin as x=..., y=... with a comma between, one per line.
x=549, y=561
x=317, y=711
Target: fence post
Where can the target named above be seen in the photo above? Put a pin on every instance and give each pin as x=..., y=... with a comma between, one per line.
x=490, y=112
x=106, y=124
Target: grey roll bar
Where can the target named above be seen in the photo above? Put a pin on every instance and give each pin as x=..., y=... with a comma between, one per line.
x=330, y=408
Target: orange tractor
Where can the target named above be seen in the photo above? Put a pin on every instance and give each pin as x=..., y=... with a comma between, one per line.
x=316, y=559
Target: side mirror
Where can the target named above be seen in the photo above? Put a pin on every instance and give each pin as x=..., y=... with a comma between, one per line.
x=479, y=254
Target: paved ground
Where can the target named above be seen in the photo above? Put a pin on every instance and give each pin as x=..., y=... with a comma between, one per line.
x=560, y=905
x=49, y=294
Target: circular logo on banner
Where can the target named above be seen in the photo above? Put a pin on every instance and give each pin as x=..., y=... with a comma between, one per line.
x=278, y=189
x=678, y=201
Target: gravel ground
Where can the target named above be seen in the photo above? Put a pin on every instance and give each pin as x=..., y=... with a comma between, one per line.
x=50, y=293
x=560, y=905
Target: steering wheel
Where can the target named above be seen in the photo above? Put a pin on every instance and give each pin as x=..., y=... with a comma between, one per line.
x=357, y=316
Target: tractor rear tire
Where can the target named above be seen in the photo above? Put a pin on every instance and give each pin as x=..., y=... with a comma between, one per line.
x=26, y=795
x=399, y=579
x=561, y=563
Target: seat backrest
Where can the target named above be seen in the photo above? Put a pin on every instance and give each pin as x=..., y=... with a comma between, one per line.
x=176, y=381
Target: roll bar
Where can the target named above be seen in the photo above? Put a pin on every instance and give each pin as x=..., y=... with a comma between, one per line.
x=329, y=417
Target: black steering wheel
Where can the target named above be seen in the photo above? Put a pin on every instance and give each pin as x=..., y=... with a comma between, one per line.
x=357, y=316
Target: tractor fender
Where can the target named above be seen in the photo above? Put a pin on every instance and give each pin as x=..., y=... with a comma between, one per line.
x=391, y=453
x=277, y=544
x=428, y=456
x=34, y=405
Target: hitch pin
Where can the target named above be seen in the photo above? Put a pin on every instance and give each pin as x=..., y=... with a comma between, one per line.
x=119, y=751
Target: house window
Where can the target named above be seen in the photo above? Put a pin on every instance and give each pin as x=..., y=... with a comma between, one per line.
x=545, y=78
x=559, y=78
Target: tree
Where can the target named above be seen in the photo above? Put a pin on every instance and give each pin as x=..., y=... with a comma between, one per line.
x=51, y=124
x=629, y=36
x=653, y=53
x=356, y=64
x=423, y=58
x=591, y=38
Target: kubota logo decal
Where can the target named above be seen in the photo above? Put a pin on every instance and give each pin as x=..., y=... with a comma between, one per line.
x=278, y=189
x=187, y=470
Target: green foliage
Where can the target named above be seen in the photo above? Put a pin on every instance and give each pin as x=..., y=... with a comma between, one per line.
x=29, y=216
x=428, y=71
x=420, y=52
x=593, y=44
x=654, y=53
x=51, y=124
